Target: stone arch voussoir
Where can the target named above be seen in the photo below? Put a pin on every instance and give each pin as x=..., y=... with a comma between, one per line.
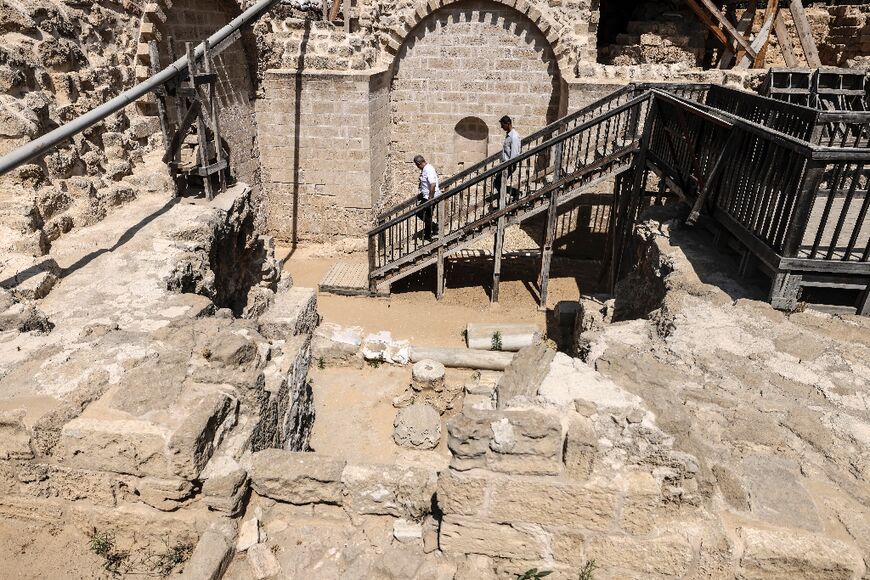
x=548, y=28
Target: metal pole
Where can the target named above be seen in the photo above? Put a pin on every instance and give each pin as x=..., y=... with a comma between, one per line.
x=41, y=145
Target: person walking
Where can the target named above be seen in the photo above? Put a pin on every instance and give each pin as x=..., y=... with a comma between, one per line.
x=429, y=189
x=510, y=149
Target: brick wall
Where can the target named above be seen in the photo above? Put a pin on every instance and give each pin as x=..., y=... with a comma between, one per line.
x=194, y=21
x=849, y=35
x=472, y=59
x=323, y=138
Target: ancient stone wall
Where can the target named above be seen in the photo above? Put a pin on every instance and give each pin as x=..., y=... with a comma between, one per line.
x=467, y=60
x=59, y=60
x=323, y=138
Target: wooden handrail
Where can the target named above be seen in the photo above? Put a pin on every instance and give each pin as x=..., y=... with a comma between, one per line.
x=507, y=166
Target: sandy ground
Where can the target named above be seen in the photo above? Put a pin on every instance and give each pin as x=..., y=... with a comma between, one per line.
x=412, y=312
x=355, y=414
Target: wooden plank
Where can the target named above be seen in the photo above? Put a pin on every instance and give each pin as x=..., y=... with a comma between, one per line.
x=805, y=33
x=549, y=234
x=709, y=23
x=729, y=28
x=785, y=43
x=762, y=38
x=499, y=238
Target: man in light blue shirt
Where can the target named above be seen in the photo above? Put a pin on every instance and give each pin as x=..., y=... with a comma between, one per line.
x=510, y=150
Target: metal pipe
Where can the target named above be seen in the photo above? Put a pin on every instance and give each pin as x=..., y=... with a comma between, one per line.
x=42, y=144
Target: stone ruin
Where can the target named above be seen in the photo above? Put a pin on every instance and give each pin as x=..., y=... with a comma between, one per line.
x=155, y=357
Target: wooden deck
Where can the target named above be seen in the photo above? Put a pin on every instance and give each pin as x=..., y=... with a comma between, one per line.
x=349, y=279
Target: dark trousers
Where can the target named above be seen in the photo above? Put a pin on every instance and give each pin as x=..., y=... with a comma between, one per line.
x=429, y=227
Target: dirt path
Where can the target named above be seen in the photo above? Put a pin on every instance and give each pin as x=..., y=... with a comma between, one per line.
x=412, y=312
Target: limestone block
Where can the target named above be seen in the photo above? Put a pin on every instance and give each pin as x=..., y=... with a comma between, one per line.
x=462, y=535
x=393, y=490
x=519, y=441
x=525, y=373
x=792, y=553
x=550, y=503
x=164, y=494
x=297, y=477
x=334, y=343
x=224, y=491
x=407, y=532
x=263, y=562
x=666, y=555
x=293, y=312
x=527, y=441
x=581, y=446
x=417, y=426
x=249, y=534
x=380, y=346
x=212, y=554
x=14, y=436
x=29, y=278
x=460, y=493
x=570, y=379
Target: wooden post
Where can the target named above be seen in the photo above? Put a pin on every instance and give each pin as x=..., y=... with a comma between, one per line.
x=346, y=9
x=442, y=226
x=161, y=94
x=200, y=124
x=550, y=232
x=784, y=38
x=784, y=291
x=864, y=302
x=805, y=33
x=372, y=252
x=215, y=121
x=499, y=237
x=803, y=205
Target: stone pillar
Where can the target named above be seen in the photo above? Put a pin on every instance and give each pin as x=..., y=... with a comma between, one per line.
x=323, y=139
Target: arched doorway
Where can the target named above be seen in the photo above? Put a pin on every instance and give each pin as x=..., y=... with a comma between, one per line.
x=194, y=21
x=475, y=59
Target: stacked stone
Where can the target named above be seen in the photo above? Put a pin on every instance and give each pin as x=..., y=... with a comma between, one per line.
x=849, y=36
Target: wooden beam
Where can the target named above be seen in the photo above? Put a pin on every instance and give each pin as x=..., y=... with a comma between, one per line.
x=805, y=33
x=550, y=233
x=729, y=28
x=746, y=24
x=499, y=237
x=762, y=38
x=442, y=226
x=333, y=10
x=708, y=22
x=784, y=38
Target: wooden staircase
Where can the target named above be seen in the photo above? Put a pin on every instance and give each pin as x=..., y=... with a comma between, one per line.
x=558, y=164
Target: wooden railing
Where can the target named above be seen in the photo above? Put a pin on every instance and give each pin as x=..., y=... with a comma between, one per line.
x=581, y=148
x=695, y=92
x=797, y=199
x=819, y=127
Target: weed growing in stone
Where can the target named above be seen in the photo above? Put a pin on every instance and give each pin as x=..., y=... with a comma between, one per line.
x=496, y=340
x=321, y=364
x=375, y=363
x=533, y=574
x=103, y=545
x=587, y=570
x=175, y=555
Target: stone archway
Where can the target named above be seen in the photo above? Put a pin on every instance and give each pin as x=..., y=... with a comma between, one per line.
x=474, y=58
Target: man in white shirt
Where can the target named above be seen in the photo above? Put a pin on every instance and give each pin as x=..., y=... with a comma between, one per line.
x=510, y=150
x=429, y=189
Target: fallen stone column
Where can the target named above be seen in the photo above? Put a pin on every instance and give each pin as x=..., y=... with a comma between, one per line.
x=464, y=357
x=509, y=337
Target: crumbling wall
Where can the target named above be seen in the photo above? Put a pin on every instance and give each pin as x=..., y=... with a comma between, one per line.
x=59, y=60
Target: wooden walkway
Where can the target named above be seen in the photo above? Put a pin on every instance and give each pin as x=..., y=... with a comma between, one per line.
x=349, y=279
